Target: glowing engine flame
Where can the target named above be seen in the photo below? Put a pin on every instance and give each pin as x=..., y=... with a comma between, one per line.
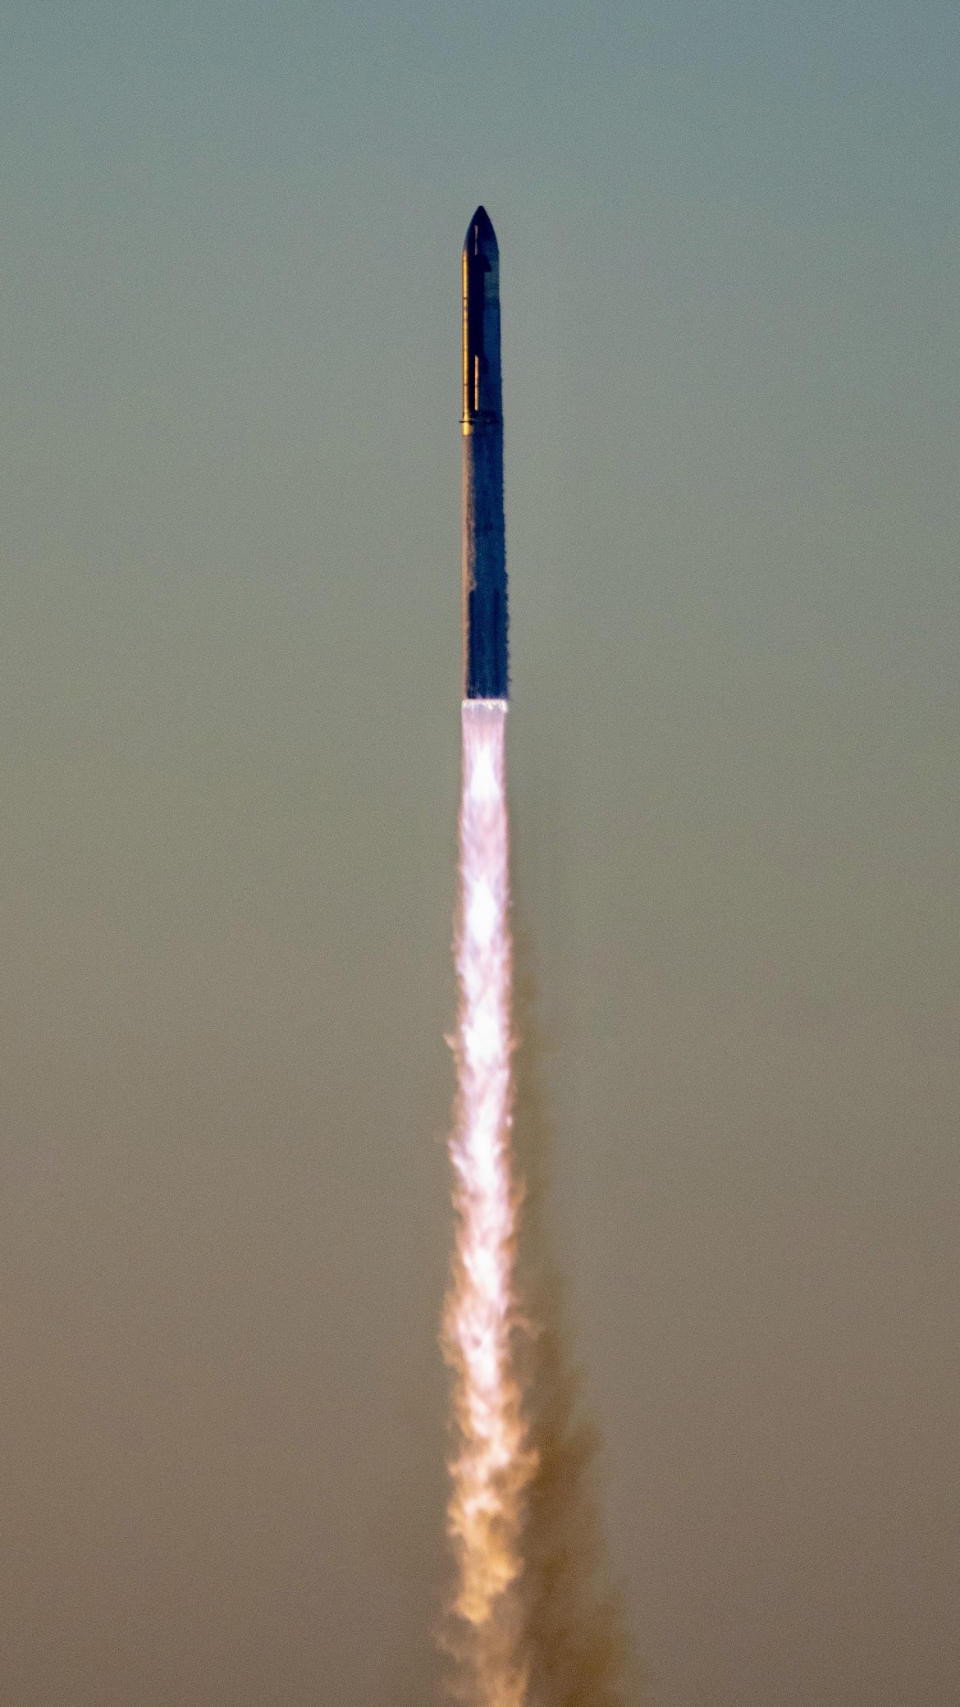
x=495, y=1461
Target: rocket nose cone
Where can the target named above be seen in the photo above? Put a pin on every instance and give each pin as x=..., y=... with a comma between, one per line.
x=480, y=233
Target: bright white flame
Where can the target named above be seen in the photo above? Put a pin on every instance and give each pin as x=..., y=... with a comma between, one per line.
x=495, y=1461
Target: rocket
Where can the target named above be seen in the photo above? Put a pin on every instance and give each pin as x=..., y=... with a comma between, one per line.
x=484, y=544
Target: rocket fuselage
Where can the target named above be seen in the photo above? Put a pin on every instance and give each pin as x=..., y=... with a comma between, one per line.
x=484, y=542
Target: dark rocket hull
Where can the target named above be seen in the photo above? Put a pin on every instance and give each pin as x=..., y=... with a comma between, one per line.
x=484, y=541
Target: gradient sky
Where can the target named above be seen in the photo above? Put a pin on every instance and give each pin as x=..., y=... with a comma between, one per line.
x=229, y=684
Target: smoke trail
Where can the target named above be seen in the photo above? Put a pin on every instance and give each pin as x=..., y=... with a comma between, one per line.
x=528, y=1629
x=494, y=1463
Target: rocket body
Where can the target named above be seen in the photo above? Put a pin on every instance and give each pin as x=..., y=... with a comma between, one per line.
x=484, y=543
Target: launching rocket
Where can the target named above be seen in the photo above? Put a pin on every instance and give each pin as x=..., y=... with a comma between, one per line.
x=484, y=547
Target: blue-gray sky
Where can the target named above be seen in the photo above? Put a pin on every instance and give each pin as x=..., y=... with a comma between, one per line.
x=229, y=687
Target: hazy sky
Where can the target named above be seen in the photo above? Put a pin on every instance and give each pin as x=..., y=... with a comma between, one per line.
x=229, y=687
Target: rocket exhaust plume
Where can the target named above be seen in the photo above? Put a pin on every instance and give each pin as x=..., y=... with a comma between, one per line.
x=524, y=1630
x=495, y=1462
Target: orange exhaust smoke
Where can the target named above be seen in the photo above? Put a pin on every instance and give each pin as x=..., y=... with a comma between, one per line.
x=494, y=1462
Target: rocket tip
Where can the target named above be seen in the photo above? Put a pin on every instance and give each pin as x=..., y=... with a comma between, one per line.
x=480, y=232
